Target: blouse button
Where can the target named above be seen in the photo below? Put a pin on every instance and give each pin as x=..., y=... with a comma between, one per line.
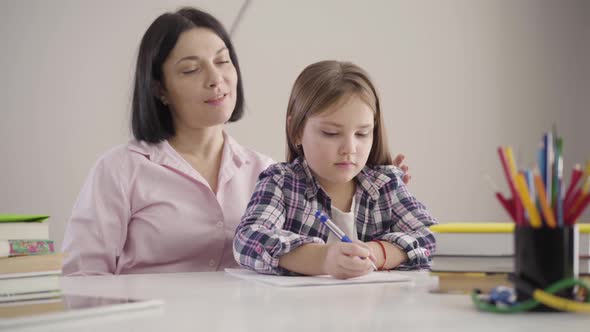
x=220, y=224
x=212, y=263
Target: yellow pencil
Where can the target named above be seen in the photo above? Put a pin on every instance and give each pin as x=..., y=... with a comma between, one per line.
x=586, y=182
x=525, y=198
x=585, y=186
x=511, y=162
x=545, y=208
x=584, y=190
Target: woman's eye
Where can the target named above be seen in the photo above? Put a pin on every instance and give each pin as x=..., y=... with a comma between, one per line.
x=362, y=134
x=190, y=71
x=223, y=62
x=327, y=133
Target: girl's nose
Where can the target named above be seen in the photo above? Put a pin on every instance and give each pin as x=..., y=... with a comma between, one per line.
x=348, y=146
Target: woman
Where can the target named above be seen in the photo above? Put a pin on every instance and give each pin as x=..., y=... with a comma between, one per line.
x=170, y=200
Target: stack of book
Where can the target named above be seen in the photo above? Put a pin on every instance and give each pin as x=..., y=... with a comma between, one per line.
x=473, y=247
x=488, y=247
x=29, y=266
x=480, y=255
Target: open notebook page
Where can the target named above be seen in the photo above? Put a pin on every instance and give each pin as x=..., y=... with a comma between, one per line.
x=282, y=281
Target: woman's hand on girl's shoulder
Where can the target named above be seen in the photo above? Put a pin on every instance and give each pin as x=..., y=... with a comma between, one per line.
x=398, y=161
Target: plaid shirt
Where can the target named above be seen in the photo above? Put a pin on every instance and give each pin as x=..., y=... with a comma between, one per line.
x=280, y=216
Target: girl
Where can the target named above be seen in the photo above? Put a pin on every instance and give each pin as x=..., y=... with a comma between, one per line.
x=339, y=164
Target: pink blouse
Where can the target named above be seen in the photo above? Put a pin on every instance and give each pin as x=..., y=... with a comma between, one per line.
x=144, y=209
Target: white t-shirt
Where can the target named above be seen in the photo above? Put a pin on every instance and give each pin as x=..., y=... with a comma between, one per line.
x=345, y=221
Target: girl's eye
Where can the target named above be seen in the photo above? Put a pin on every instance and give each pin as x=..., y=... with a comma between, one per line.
x=362, y=134
x=329, y=134
x=223, y=62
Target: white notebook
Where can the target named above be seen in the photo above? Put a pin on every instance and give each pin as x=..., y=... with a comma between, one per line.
x=325, y=280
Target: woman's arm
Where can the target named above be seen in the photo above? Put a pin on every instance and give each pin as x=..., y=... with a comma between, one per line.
x=97, y=227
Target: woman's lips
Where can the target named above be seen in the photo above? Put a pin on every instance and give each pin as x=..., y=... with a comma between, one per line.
x=217, y=100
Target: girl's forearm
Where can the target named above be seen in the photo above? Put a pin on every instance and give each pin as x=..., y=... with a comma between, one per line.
x=307, y=259
x=394, y=255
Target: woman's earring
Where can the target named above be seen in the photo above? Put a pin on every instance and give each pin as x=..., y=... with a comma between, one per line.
x=164, y=100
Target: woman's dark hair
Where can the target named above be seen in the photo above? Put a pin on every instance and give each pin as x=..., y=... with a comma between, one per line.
x=151, y=121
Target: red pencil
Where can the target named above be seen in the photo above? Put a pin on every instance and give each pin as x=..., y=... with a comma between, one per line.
x=517, y=208
x=507, y=204
x=573, y=202
x=576, y=176
x=571, y=219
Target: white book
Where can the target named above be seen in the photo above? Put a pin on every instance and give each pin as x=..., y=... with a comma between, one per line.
x=30, y=284
x=324, y=280
x=72, y=310
x=474, y=244
x=24, y=230
x=488, y=244
x=31, y=296
x=489, y=264
x=28, y=274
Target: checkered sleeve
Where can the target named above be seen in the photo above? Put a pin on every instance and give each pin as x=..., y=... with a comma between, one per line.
x=409, y=230
x=260, y=238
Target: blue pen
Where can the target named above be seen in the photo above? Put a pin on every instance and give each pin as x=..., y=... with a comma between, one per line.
x=559, y=183
x=337, y=231
x=548, y=142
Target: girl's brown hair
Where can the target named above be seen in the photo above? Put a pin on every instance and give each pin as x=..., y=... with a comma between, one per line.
x=321, y=85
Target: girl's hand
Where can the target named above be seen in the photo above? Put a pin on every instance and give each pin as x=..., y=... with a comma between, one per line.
x=399, y=162
x=343, y=260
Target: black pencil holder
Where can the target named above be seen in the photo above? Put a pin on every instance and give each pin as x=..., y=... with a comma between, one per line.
x=544, y=256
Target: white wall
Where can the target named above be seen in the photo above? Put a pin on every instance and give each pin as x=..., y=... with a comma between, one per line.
x=581, y=130
x=457, y=78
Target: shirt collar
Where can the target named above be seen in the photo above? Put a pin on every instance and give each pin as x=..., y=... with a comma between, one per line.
x=235, y=150
x=311, y=184
x=163, y=153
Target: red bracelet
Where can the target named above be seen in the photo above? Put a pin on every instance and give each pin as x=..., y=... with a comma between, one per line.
x=384, y=254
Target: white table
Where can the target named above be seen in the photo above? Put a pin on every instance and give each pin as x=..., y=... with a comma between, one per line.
x=219, y=302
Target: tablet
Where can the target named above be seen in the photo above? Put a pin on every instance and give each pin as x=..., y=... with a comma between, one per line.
x=67, y=307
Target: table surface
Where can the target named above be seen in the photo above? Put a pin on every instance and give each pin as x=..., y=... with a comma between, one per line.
x=219, y=302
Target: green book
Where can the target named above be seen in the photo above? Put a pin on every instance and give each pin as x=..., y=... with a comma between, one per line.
x=22, y=218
